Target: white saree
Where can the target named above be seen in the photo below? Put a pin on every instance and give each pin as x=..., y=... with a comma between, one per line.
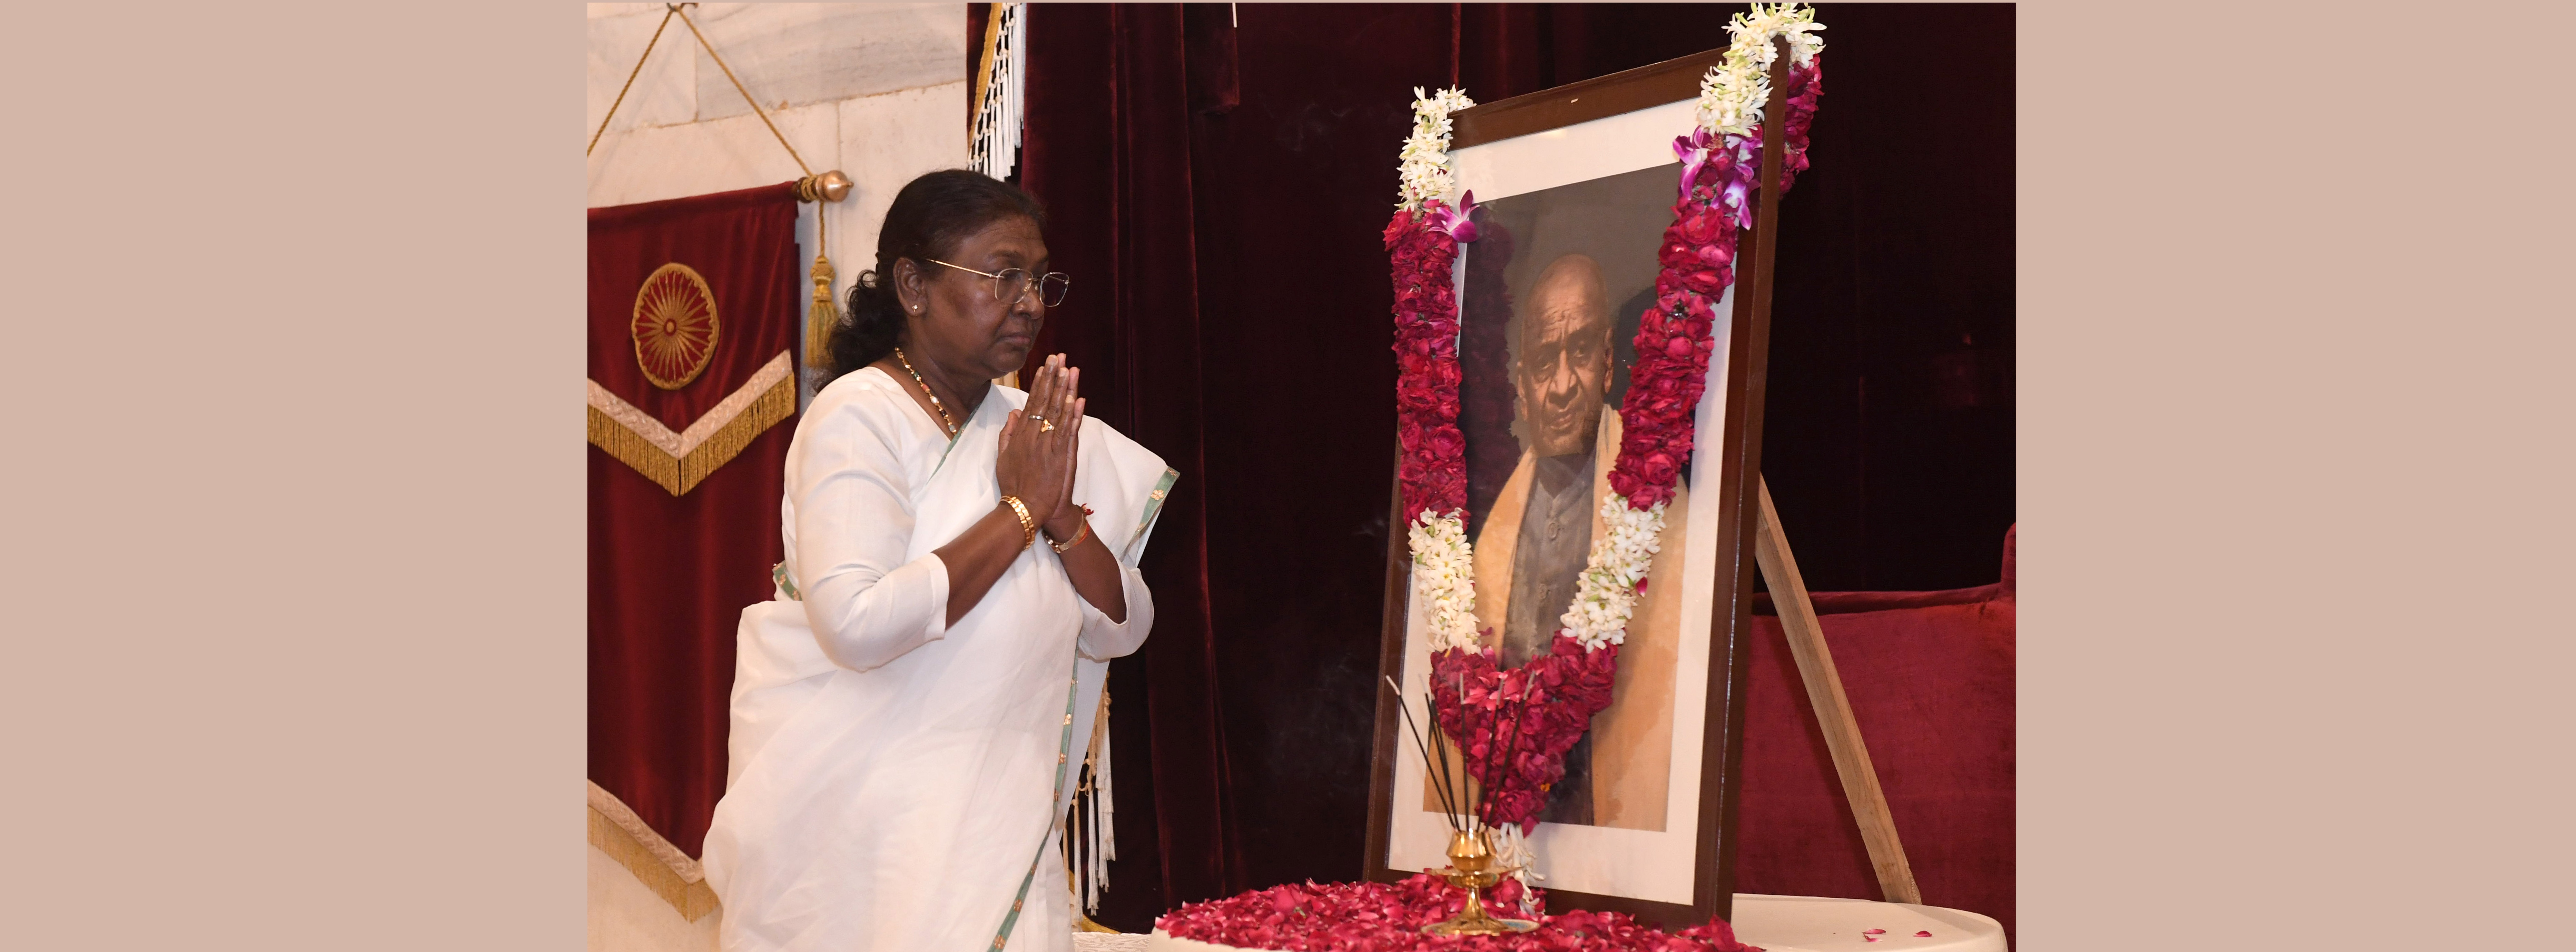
x=888, y=776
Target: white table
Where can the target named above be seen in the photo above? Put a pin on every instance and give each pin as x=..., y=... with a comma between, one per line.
x=1776, y=923
x=1820, y=924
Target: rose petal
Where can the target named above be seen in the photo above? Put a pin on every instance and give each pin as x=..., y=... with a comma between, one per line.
x=1925, y=934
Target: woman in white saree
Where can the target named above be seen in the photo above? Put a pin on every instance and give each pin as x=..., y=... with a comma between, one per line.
x=960, y=566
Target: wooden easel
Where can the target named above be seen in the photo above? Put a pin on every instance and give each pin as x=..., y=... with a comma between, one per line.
x=1833, y=708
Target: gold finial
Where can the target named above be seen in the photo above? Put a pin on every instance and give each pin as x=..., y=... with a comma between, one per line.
x=830, y=186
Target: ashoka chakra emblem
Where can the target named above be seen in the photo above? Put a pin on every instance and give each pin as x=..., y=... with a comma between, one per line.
x=675, y=326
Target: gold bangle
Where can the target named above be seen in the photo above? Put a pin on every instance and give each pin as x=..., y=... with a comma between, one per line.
x=1028, y=526
x=1077, y=534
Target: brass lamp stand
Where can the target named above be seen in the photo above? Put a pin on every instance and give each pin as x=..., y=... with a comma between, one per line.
x=1471, y=867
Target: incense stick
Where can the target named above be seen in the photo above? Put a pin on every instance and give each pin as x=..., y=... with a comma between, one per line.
x=1442, y=744
x=1519, y=711
x=1418, y=745
x=1448, y=810
x=1476, y=803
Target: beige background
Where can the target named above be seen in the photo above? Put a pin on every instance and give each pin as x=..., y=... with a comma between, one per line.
x=294, y=547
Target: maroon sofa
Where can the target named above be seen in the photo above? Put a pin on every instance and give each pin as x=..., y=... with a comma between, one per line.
x=1930, y=676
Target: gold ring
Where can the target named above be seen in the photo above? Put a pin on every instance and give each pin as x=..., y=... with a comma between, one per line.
x=1044, y=426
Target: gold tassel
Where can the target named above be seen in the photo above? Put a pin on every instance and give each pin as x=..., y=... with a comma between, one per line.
x=823, y=316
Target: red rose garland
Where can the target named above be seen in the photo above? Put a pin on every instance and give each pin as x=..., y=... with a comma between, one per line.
x=1388, y=917
x=1558, y=694
x=1698, y=257
x=1422, y=249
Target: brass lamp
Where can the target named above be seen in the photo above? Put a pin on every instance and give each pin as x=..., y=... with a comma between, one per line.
x=1471, y=867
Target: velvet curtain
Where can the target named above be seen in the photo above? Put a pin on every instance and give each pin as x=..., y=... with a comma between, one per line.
x=1108, y=152
x=1217, y=187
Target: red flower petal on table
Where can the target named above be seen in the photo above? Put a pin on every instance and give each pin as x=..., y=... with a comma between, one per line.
x=1925, y=934
x=1873, y=932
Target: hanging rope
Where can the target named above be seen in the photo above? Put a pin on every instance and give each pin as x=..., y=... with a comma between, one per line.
x=737, y=86
x=630, y=78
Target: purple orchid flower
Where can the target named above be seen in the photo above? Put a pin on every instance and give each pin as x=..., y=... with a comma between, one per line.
x=1692, y=149
x=1455, y=221
x=1748, y=152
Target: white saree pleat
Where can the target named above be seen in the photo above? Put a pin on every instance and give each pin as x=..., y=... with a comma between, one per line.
x=897, y=807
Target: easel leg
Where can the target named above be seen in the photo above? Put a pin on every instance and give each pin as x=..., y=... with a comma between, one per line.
x=1833, y=709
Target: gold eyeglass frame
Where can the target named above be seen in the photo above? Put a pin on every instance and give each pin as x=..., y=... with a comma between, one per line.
x=1035, y=282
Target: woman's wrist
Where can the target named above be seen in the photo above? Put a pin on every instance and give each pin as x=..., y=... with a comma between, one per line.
x=1067, y=529
x=1067, y=523
x=1019, y=512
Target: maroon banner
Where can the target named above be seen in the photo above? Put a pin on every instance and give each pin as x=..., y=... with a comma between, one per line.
x=694, y=309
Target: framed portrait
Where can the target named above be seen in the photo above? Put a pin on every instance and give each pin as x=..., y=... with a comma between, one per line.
x=1574, y=188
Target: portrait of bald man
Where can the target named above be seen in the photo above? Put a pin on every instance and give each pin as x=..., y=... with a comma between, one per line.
x=1538, y=535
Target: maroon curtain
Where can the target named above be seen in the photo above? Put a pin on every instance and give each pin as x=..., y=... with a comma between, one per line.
x=1217, y=192
x=1107, y=151
x=670, y=574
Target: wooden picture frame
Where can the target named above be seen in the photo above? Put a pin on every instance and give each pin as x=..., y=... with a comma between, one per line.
x=1635, y=111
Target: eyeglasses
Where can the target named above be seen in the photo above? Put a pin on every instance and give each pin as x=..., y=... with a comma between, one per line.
x=1015, y=283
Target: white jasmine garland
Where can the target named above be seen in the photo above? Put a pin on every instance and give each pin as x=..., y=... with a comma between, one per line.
x=1424, y=168
x=1751, y=33
x=1515, y=854
x=1733, y=94
x=1605, y=595
x=1444, y=579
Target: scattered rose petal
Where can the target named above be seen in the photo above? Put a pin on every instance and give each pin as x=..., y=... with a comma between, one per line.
x=1873, y=932
x=1388, y=917
x=1925, y=934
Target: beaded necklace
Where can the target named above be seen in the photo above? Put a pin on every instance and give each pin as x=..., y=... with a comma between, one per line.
x=945, y=420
